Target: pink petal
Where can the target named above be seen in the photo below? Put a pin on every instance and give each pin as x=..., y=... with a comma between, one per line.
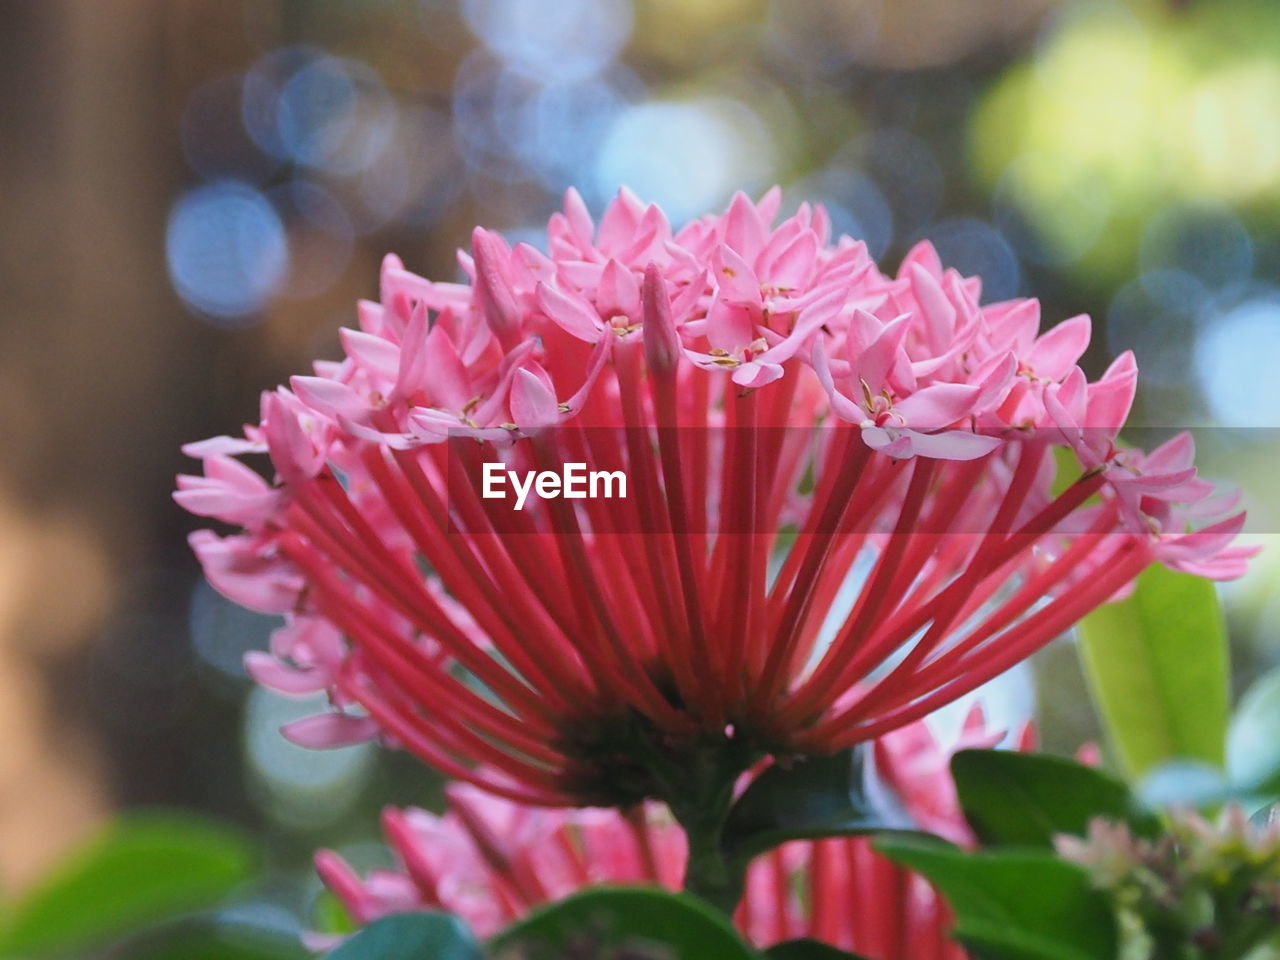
x=1111, y=398
x=1013, y=324
x=883, y=354
x=841, y=406
x=795, y=264
x=579, y=220
x=744, y=231
x=937, y=311
x=373, y=354
x=222, y=446
x=923, y=255
x=327, y=731
x=735, y=280
x=329, y=398
x=953, y=444
x=533, y=405
x=618, y=293
x=269, y=672
x=939, y=405
x=570, y=313
x=445, y=378
x=1054, y=354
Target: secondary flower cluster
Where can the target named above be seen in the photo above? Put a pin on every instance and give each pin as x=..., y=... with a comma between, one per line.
x=1205, y=888
x=491, y=861
x=843, y=507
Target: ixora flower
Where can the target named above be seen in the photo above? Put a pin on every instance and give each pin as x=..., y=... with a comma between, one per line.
x=492, y=861
x=790, y=422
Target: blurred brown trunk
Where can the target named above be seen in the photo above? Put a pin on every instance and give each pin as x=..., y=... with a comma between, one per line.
x=86, y=326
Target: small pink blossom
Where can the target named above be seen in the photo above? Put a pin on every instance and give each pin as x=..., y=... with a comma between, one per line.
x=491, y=861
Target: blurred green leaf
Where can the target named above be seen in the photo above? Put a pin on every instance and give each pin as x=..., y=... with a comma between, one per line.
x=1012, y=798
x=1157, y=665
x=328, y=915
x=615, y=916
x=1067, y=470
x=1013, y=904
x=811, y=798
x=808, y=950
x=143, y=870
x=1185, y=783
x=411, y=936
x=1253, y=741
x=207, y=940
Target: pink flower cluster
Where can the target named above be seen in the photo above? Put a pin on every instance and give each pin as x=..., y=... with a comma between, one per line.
x=788, y=417
x=491, y=861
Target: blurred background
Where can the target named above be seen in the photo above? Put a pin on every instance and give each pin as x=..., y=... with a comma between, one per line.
x=197, y=191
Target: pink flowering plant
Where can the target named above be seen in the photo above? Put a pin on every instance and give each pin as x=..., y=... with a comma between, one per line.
x=835, y=500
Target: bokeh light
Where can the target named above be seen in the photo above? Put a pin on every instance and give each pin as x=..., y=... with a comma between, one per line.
x=1124, y=109
x=686, y=155
x=334, y=114
x=302, y=788
x=226, y=249
x=1237, y=359
x=551, y=39
x=976, y=248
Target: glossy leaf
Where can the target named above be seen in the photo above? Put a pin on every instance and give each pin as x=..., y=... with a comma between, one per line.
x=686, y=927
x=1012, y=798
x=141, y=871
x=411, y=936
x=1157, y=665
x=808, y=950
x=817, y=797
x=1014, y=904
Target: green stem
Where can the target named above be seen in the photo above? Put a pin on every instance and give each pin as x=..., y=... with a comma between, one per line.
x=710, y=874
x=702, y=809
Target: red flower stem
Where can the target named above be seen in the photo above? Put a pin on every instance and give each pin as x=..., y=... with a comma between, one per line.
x=689, y=565
x=424, y=612
x=513, y=606
x=689, y=662
x=1035, y=587
x=739, y=600
x=813, y=547
x=812, y=694
x=625, y=674
x=1015, y=645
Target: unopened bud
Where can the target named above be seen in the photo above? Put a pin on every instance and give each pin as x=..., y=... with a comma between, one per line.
x=661, y=342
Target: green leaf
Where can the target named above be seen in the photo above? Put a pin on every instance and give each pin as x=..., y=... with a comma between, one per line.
x=811, y=798
x=329, y=915
x=633, y=916
x=1012, y=798
x=1253, y=742
x=1014, y=904
x=808, y=950
x=411, y=936
x=143, y=870
x=1157, y=665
